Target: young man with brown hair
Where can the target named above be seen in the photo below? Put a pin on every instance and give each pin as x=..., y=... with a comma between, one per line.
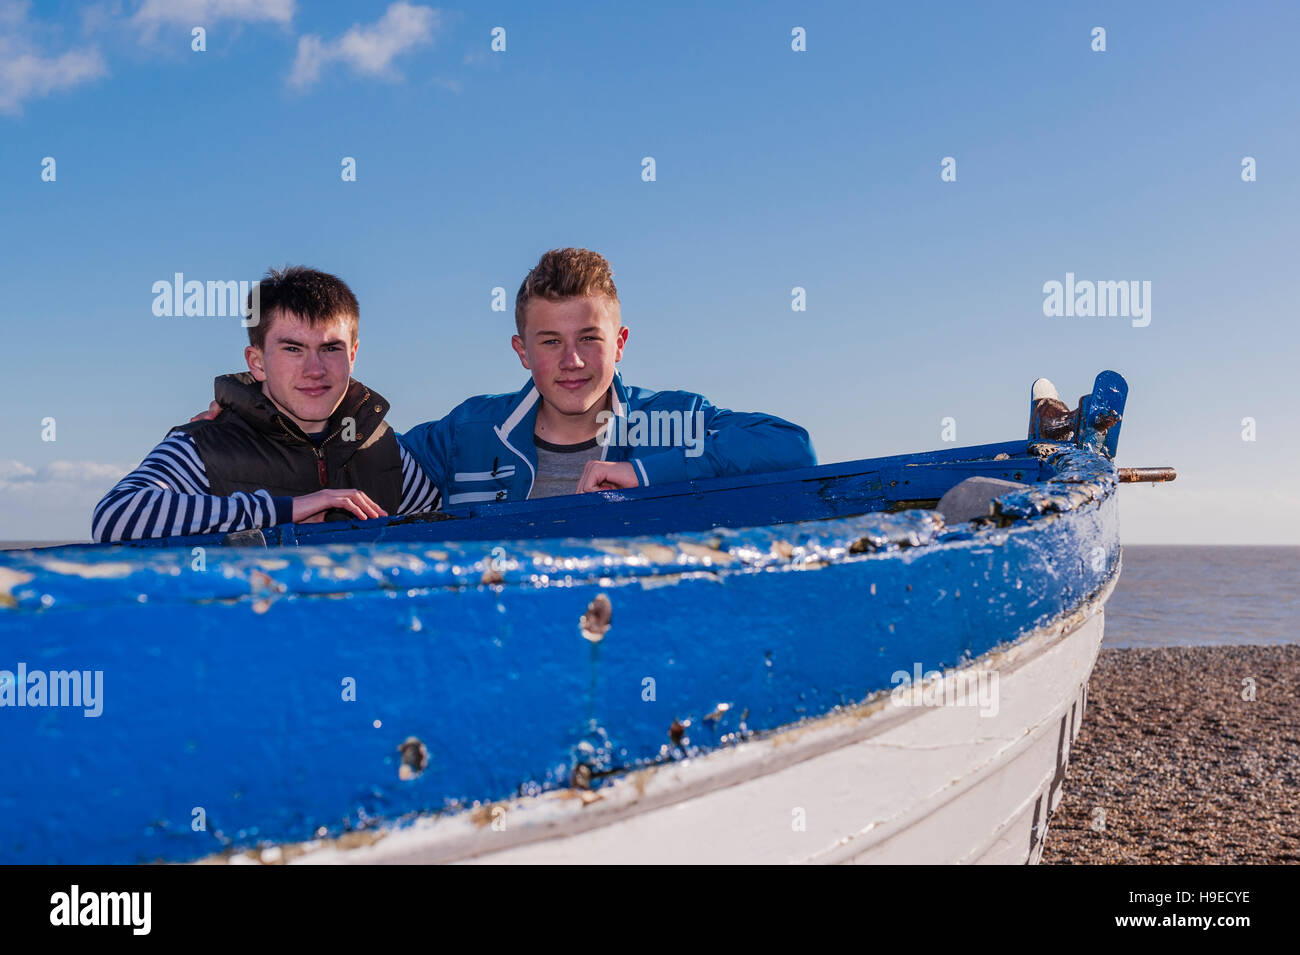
x=575, y=426
x=296, y=438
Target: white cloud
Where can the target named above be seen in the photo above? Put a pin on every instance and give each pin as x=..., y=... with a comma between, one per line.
x=29, y=72
x=367, y=50
x=14, y=471
x=201, y=13
x=19, y=478
x=53, y=501
x=31, y=65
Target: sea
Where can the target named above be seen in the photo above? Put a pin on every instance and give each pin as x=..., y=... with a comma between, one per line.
x=1182, y=596
x=1202, y=596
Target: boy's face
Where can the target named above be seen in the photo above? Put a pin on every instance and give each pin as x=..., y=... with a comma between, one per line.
x=571, y=347
x=304, y=369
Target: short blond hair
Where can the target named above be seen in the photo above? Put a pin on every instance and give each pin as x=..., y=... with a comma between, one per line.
x=565, y=273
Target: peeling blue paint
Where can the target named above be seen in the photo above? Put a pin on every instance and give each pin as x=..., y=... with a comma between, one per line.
x=1081, y=476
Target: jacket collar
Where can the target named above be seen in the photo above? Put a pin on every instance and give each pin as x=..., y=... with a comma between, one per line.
x=242, y=395
x=523, y=410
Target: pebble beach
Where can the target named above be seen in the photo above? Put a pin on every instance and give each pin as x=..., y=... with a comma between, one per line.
x=1176, y=763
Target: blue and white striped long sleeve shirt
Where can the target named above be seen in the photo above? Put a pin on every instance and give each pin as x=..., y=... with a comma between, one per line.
x=169, y=494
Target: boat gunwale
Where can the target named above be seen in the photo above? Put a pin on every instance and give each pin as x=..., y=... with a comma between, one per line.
x=102, y=575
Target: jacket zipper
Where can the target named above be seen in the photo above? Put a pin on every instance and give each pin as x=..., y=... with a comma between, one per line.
x=321, y=472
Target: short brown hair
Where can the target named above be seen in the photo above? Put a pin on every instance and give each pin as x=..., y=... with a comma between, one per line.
x=565, y=273
x=315, y=297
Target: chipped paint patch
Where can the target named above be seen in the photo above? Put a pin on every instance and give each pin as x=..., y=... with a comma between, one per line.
x=356, y=839
x=9, y=579
x=708, y=554
x=658, y=553
x=640, y=778
x=93, y=571
x=666, y=580
x=483, y=814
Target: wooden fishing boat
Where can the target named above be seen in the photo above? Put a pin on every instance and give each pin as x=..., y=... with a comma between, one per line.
x=808, y=665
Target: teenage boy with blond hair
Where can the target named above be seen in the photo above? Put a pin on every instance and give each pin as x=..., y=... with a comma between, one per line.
x=575, y=426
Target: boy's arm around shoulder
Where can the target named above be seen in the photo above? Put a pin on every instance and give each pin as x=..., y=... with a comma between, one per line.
x=419, y=494
x=430, y=444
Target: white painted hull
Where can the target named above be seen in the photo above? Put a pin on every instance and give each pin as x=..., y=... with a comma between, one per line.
x=878, y=782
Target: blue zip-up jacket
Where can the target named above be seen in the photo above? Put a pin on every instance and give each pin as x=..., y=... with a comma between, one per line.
x=483, y=450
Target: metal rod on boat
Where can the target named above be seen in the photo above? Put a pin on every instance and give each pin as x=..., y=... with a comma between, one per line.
x=1133, y=475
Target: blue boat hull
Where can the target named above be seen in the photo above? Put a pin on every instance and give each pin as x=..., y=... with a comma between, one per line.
x=267, y=693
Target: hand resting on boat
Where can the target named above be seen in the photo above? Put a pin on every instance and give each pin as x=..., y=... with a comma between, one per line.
x=607, y=476
x=311, y=508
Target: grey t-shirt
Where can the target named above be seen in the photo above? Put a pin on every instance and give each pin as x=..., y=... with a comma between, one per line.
x=559, y=466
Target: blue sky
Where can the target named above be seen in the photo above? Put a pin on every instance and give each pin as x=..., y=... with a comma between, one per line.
x=774, y=169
